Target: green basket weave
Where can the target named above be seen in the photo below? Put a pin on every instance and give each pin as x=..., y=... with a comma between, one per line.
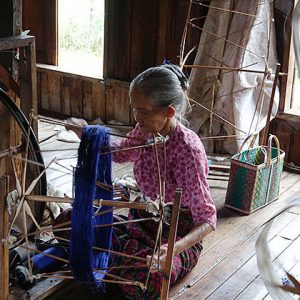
x=254, y=177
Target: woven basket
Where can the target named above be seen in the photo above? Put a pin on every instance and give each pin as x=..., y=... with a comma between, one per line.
x=255, y=177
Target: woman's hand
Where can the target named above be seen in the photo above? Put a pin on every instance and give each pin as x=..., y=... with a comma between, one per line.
x=76, y=125
x=158, y=262
x=193, y=237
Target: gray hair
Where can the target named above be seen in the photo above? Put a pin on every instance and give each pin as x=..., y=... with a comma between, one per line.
x=164, y=85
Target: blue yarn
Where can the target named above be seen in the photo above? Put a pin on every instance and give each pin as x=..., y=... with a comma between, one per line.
x=91, y=166
x=42, y=263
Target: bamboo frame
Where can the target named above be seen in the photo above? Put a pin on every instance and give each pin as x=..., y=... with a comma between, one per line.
x=171, y=243
x=24, y=209
x=265, y=72
x=118, y=204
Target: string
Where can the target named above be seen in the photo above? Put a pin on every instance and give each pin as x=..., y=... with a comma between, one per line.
x=64, y=123
x=224, y=10
x=215, y=114
x=227, y=41
x=157, y=245
x=214, y=39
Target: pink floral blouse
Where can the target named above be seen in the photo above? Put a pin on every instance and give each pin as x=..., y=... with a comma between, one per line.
x=186, y=168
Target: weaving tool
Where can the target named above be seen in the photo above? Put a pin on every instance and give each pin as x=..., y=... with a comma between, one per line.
x=25, y=195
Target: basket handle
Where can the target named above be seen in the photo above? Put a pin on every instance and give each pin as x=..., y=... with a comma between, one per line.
x=264, y=151
x=271, y=138
x=252, y=137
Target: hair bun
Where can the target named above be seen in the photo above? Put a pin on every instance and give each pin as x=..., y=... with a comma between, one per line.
x=180, y=75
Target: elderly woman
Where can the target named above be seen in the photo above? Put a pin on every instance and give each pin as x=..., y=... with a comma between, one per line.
x=158, y=100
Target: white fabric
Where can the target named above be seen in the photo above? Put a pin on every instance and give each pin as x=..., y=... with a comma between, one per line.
x=233, y=95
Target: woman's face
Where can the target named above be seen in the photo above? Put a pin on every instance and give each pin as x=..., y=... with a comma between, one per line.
x=151, y=118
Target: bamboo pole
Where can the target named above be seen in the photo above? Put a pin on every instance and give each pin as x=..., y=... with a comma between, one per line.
x=49, y=229
x=225, y=10
x=118, y=204
x=13, y=150
x=183, y=40
x=223, y=137
x=267, y=127
x=226, y=40
x=225, y=68
x=216, y=115
x=103, y=280
x=171, y=243
x=64, y=123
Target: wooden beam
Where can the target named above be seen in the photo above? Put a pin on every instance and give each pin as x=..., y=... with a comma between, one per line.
x=7, y=79
x=27, y=73
x=288, y=65
x=4, y=252
x=28, y=90
x=15, y=42
x=114, y=203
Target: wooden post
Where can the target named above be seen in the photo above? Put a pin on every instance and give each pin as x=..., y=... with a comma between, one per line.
x=171, y=242
x=27, y=70
x=28, y=87
x=267, y=127
x=4, y=254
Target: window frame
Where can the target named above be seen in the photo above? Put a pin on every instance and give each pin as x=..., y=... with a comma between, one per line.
x=285, y=111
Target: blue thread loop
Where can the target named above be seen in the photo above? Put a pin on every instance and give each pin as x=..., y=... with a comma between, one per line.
x=85, y=235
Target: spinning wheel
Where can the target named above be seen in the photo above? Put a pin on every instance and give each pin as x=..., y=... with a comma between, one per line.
x=15, y=125
x=22, y=160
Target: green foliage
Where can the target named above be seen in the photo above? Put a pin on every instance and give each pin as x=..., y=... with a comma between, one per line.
x=74, y=37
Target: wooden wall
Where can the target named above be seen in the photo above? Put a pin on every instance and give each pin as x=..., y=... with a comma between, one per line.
x=138, y=34
x=141, y=34
x=65, y=94
x=6, y=30
x=288, y=132
x=40, y=17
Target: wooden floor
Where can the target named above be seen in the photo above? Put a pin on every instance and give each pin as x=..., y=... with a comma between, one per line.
x=227, y=268
x=60, y=173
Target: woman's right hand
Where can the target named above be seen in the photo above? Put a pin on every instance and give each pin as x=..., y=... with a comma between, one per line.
x=76, y=125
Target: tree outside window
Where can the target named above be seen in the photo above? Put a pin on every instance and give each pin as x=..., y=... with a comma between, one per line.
x=81, y=36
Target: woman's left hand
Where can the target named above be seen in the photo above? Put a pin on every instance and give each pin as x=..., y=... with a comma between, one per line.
x=159, y=261
x=76, y=125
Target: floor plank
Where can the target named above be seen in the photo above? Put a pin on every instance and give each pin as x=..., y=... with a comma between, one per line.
x=289, y=260
x=227, y=267
x=244, y=275
x=293, y=231
x=232, y=230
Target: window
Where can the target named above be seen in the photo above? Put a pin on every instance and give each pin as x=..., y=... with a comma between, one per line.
x=289, y=106
x=295, y=97
x=81, y=36
x=295, y=101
